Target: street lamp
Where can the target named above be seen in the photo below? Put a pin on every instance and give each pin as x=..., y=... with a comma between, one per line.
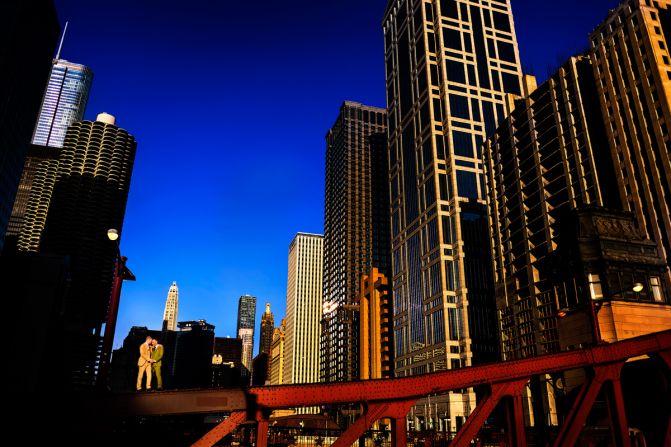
x=121, y=272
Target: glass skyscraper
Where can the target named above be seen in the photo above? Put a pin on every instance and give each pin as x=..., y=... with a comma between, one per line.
x=64, y=102
x=245, y=330
x=449, y=65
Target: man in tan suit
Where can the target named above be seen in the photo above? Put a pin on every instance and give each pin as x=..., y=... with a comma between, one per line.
x=144, y=364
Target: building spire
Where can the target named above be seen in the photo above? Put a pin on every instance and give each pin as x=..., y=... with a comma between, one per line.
x=267, y=308
x=60, y=45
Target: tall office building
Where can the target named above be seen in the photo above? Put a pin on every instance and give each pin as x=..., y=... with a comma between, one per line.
x=348, y=234
x=267, y=328
x=28, y=37
x=449, y=64
x=245, y=330
x=71, y=216
x=171, y=308
x=606, y=117
x=631, y=61
x=64, y=103
x=304, y=299
x=594, y=135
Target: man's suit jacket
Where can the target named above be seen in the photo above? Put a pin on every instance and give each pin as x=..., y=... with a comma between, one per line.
x=145, y=355
x=157, y=355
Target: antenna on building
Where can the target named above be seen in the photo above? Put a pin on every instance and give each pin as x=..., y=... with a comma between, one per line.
x=60, y=45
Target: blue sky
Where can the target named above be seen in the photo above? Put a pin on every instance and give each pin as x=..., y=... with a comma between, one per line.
x=230, y=102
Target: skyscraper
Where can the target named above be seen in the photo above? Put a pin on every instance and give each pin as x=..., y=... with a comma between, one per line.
x=449, y=64
x=304, y=297
x=64, y=103
x=28, y=36
x=594, y=135
x=267, y=328
x=171, y=307
x=245, y=330
x=87, y=196
x=631, y=61
x=348, y=233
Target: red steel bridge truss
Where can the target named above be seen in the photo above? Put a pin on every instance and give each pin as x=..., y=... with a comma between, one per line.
x=393, y=398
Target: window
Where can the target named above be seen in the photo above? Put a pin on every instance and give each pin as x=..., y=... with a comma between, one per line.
x=463, y=144
x=467, y=185
x=506, y=51
x=452, y=39
x=501, y=21
x=595, y=286
x=656, y=289
x=455, y=71
x=459, y=106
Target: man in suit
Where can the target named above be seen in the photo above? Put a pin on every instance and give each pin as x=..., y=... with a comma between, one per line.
x=144, y=364
x=157, y=356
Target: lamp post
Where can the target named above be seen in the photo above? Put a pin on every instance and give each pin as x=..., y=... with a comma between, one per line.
x=121, y=272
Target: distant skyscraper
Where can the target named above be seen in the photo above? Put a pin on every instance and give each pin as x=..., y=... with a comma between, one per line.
x=28, y=36
x=304, y=298
x=70, y=216
x=64, y=103
x=277, y=356
x=267, y=328
x=194, y=349
x=245, y=330
x=171, y=307
x=449, y=65
x=348, y=233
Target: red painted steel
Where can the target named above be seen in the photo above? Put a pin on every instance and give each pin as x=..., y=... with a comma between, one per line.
x=225, y=427
x=393, y=397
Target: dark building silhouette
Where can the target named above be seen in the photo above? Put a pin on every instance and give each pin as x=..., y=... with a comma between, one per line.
x=260, y=369
x=193, y=354
x=36, y=286
x=68, y=214
x=349, y=216
x=267, y=328
x=28, y=36
x=227, y=363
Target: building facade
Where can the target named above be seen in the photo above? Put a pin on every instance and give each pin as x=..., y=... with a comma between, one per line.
x=304, y=299
x=348, y=230
x=64, y=103
x=245, y=331
x=70, y=216
x=631, y=61
x=277, y=356
x=449, y=65
x=171, y=308
x=267, y=328
x=589, y=142
x=28, y=38
x=375, y=327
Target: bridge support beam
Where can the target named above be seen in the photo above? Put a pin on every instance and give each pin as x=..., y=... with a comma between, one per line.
x=397, y=411
x=485, y=408
x=570, y=431
x=225, y=427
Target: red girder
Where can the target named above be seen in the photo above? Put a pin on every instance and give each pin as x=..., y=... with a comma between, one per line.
x=393, y=397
